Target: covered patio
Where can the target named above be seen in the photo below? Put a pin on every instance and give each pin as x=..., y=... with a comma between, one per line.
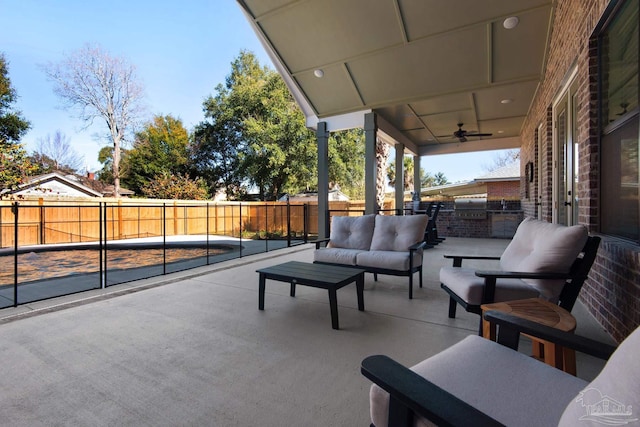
x=192, y=348
x=557, y=79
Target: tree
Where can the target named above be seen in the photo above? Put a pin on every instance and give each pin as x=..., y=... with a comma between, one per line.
x=430, y=180
x=14, y=163
x=54, y=153
x=161, y=147
x=169, y=186
x=346, y=162
x=15, y=166
x=105, y=156
x=254, y=134
x=503, y=158
x=407, y=163
x=382, y=156
x=99, y=86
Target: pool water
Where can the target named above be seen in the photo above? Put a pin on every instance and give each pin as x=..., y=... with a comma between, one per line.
x=46, y=265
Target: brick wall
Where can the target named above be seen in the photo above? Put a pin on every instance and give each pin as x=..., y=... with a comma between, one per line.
x=612, y=292
x=503, y=190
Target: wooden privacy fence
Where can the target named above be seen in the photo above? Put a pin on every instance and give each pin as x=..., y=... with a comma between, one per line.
x=41, y=222
x=45, y=223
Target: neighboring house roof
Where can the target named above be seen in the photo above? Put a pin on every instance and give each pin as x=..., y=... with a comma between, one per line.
x=103, y=188
x=509, y=172
x=334, y=195
x=54, y=184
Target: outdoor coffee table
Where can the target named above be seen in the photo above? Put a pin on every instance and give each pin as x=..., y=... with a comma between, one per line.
x=323, y=276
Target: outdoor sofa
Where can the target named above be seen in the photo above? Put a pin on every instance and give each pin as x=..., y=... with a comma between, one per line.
x=379, y=244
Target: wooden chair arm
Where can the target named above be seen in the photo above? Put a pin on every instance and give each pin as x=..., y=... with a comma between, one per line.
x=410, y=392
x=510, y=328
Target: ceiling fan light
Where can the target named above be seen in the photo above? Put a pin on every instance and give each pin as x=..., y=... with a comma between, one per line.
x=318, y=73
x=511, y=22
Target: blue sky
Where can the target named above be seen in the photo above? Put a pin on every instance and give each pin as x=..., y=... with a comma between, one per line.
x=182, y=51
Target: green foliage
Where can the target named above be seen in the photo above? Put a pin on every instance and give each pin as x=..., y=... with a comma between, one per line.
x=168, y=186
x=427, y=179
x=161, y=147
x=14, y=162
x=346, y=162
x=12, y=125
x=430, y=180
x=15, y=166
x=105, y=156
x=255, y=135
x=407, y=164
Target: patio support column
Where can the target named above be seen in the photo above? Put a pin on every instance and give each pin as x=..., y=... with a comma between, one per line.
x=399, y=187
x=322, y=136
x=417, y=185
x=370, y=164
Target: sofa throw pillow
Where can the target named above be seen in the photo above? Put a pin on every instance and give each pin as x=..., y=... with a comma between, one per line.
x=351, y=232
x=397, y=233
x=538, y=247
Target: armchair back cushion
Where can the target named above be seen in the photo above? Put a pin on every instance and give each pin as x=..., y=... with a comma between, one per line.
x=539, y=247
x=351, y=232
x=617, y=385
x=397, y=233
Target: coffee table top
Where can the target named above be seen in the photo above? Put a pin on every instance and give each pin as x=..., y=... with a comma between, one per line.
x=320, y=273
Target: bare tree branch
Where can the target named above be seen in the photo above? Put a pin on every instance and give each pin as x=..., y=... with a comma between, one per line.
x=99, y=86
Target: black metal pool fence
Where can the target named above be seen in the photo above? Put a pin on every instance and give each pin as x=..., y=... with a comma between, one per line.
x=55, y=250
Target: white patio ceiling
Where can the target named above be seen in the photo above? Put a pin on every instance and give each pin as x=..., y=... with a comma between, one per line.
x=422, y=65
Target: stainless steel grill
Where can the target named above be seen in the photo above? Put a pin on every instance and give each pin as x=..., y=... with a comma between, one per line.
x=471, y=207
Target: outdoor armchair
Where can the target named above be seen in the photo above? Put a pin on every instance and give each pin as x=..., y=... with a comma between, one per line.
x=544, y=260
x=483, y=383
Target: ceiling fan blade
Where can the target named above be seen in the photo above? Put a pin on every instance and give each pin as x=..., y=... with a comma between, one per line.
x=479, y=134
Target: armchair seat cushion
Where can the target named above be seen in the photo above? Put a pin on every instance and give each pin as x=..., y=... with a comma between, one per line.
x=389, y=260
x=469, y=287
x=494, y=379
x=337, y=255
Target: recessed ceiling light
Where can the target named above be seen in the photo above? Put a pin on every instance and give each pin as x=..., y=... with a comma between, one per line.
x=511, y=22
x=506, y=101
x=318, y=73
x=500, y=131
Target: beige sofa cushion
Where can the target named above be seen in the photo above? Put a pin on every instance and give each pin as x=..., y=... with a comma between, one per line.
x=539, y=247
x=390, y=260
x=397, y=233
x=351, y=232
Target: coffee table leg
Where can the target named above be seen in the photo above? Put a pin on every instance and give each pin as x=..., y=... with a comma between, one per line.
x=333, y=304
x=261, y=292
x=292, y=290
x=360, y=291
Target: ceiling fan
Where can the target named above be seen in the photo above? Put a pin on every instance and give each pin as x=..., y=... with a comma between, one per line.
x=462, y=134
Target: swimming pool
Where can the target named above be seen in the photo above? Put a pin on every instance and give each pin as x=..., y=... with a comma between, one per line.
x=48, y=263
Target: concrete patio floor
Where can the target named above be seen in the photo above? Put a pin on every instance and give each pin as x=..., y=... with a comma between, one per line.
x=192, y=348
